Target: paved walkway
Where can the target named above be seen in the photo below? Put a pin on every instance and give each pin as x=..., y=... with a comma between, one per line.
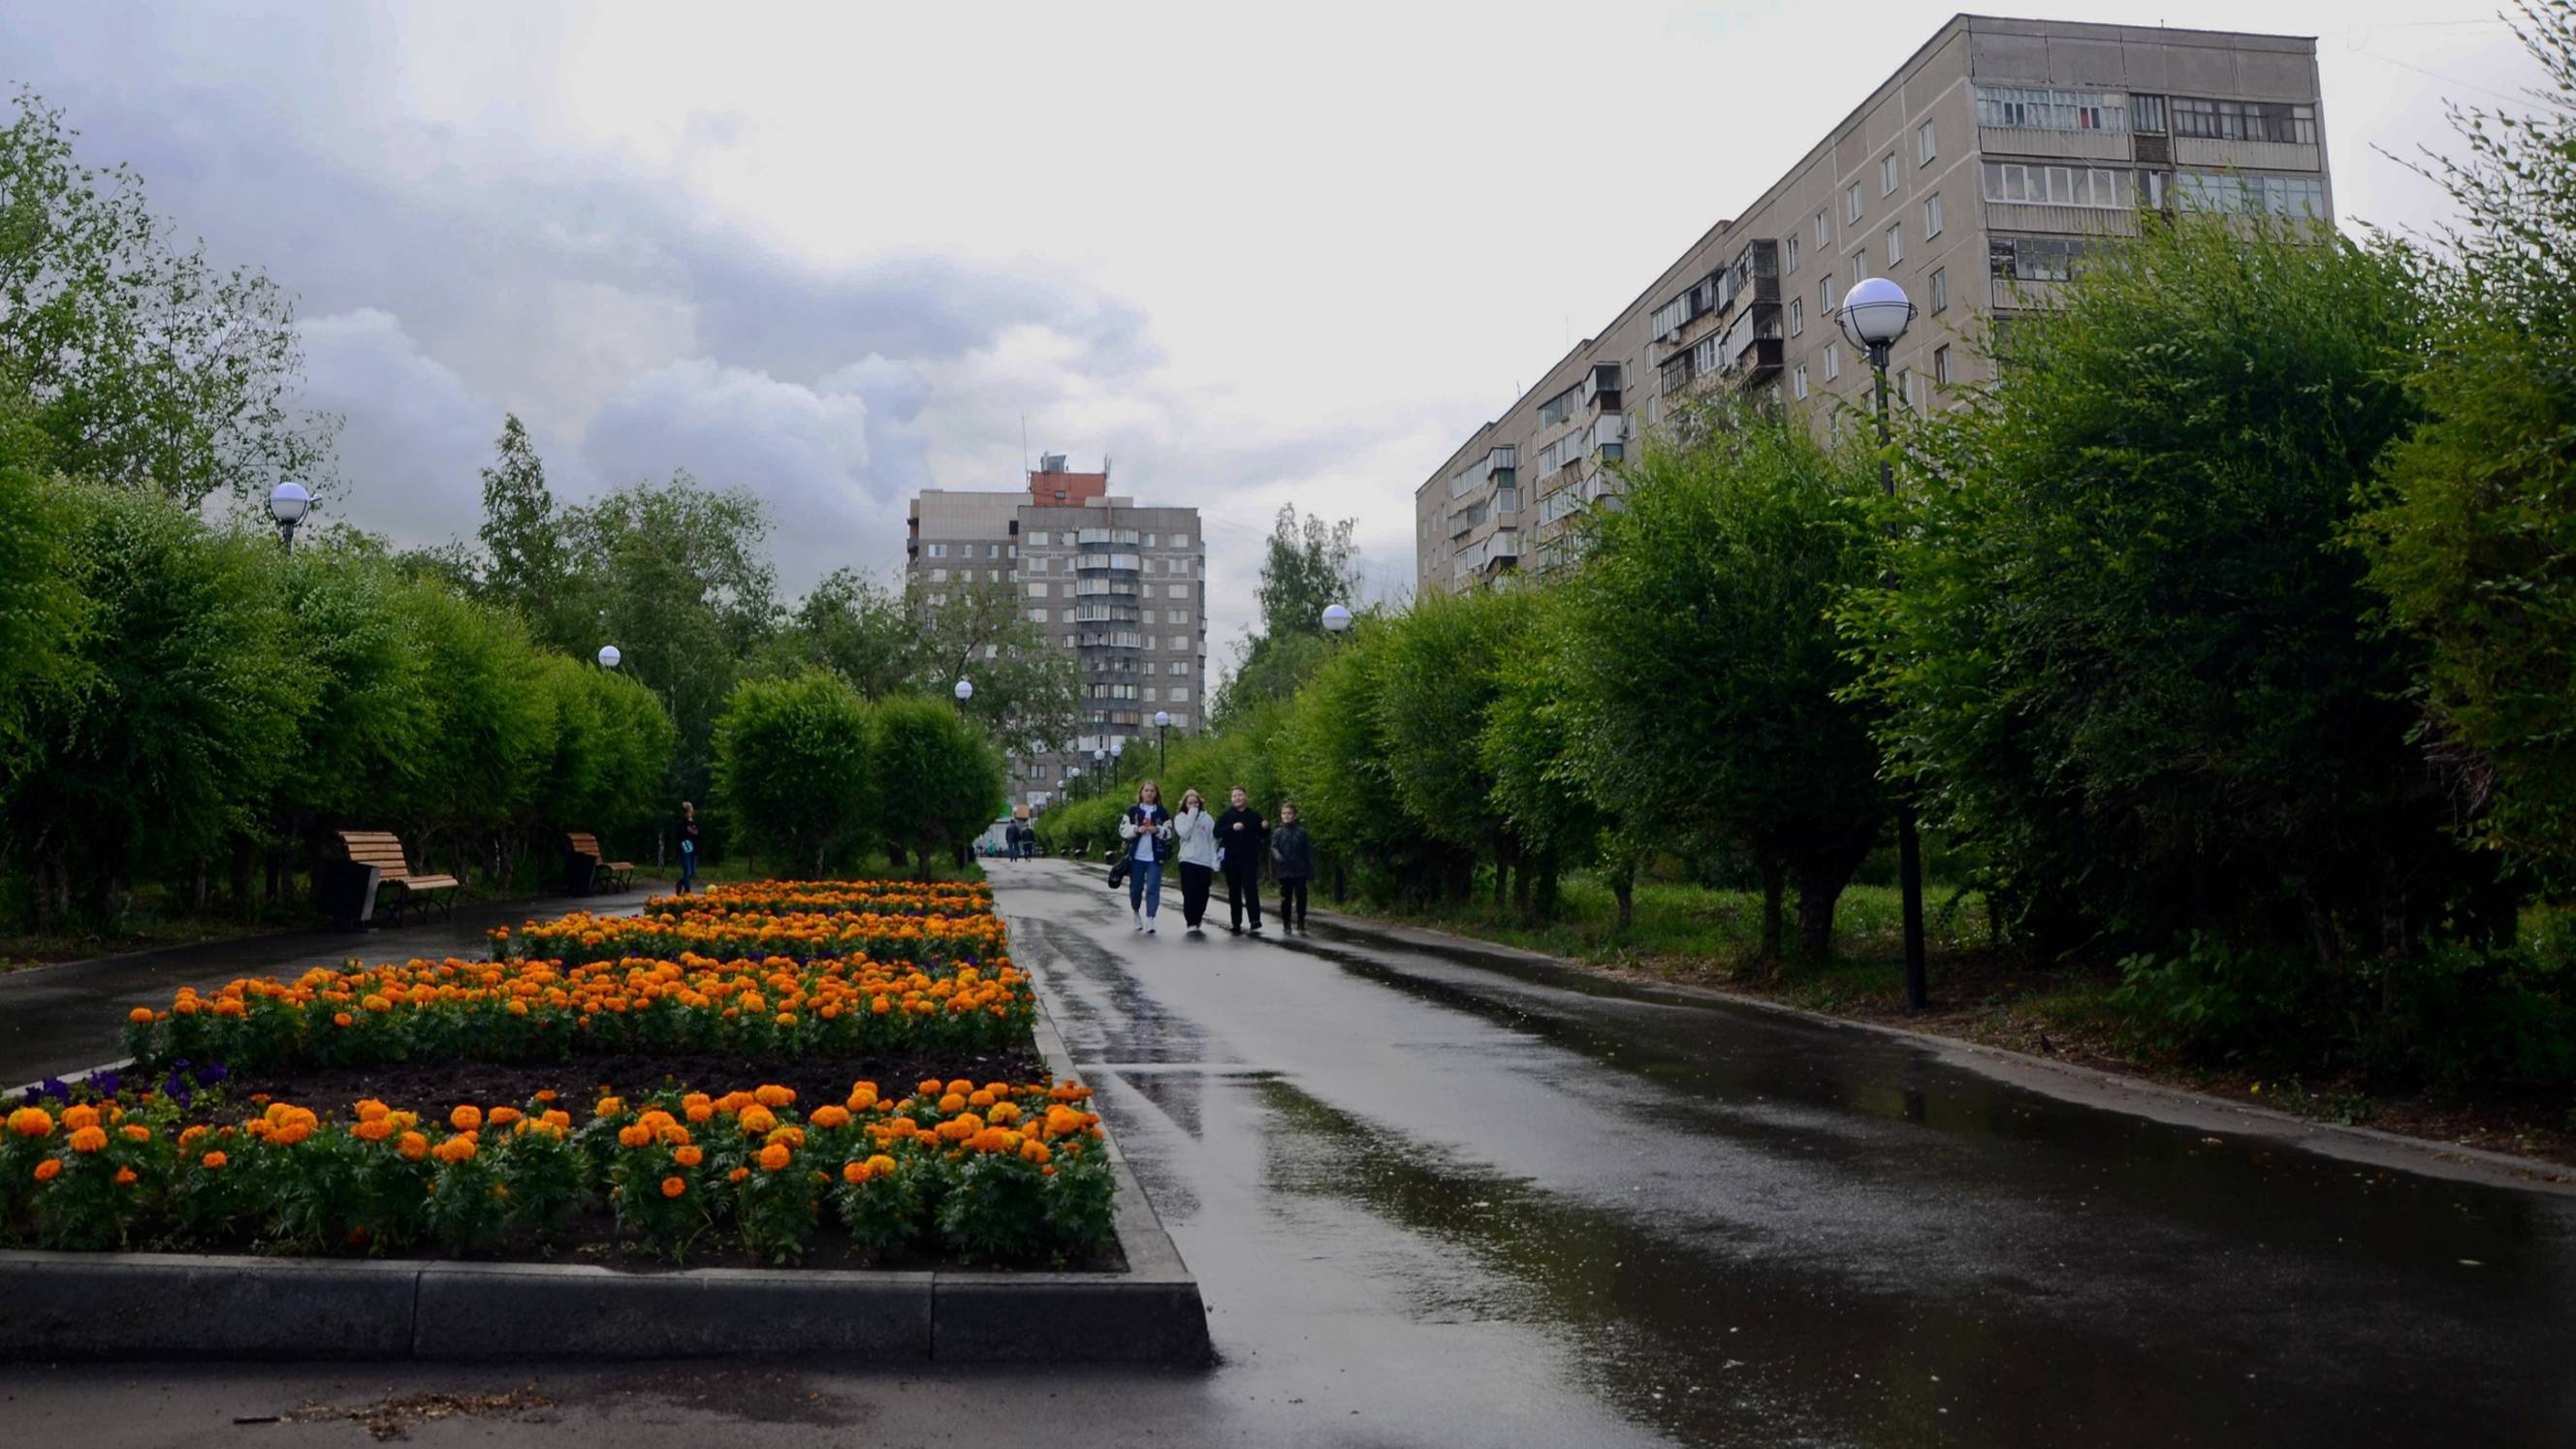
x=56, y=1019
x=1438, y=1195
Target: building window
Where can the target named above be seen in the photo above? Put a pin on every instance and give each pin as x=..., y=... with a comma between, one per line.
x=2026, y=108
x=1887, y=174
x=939, y=576
x=1039, y=591
x=1797, y=315
x=1932, y=216
x=1860, y=266
x=2276, y=121
x=2147, y=113
x=2032, y=258
x=1925, y=146
x=1940, y=289
x=1153, y=694
x=1851, y=202
x=937, y=550
x=1833, y=362
x=2234, y=193
x=1180, y=540
x=1824, y=229
x=992, y=550
x=2058, y=185
x=1895, y=243
x=1180, y=591
x=1825, y=294
x=1791, y=263
x=1798, y=381
x=1149, y=541
x=1905, y=386
x=1037, y=616
x=1941, y=365
x=1038, y=539
x=1180, y=695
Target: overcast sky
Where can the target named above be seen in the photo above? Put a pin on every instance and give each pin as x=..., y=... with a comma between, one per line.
x=839, y=254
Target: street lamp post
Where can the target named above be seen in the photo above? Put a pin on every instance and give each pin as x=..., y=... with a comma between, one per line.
x=965, y=691
x=1336, y=619
x=287, y=505
x=1118, y=759
x=1162, y=741
x=610, y=656
x=1875, y=314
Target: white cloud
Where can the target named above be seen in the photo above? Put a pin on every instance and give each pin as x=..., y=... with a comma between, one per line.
x=413, y=435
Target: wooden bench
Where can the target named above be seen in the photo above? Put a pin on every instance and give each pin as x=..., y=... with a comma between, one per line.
x=606, y=874
x=383, y=850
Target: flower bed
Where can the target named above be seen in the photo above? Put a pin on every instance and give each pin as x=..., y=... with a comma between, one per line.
x=854, y=897
x=997, y=1172
x=526, y=1010
x=726, y=934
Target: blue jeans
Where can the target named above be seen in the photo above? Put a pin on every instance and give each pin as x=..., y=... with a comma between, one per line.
x=1145, y=886
x=688, y=868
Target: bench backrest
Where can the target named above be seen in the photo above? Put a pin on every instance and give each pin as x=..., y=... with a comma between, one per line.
x=379, y=848
x=583, y=844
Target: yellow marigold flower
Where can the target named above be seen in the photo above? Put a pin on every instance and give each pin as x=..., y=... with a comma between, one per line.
x=775, y=1156
x=466, y=1118
x=673, y=1187
x=89, y=1139
x=689, y=1156
x=1003, y=1112
x=214, y=1161
x=49, y=1169
x=880, y=1164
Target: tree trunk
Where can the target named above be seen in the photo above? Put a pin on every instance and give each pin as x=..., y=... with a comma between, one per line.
x=1775, y=879
x=244, y=866
x=197, y=891
x=1623, y=888
x=1521, y=890
x=1817, y=898
x=276, y=868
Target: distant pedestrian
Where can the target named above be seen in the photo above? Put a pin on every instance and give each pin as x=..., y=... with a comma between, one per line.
x=688, y=832
x=1292, y=850
x=1242, y=842
x=1194, y=831
x=1146, y=835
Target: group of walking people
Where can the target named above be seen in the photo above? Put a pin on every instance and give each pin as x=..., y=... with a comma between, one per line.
x=1236, y=842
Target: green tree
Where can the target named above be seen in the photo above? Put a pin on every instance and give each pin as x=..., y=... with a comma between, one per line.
x=1439, y=669
x=1701, y=671
x=2129, y=654
x=490, y=735
x=942, y=780
x=1307, y=566
x=187, y=719
x=524, y=543
x=42, y=610
x=2471, y=539
x=1337, y=767
x=146, y=364
x=853, y=627
x=1528, y=751
x=677, y=577
x=1028, y=695
x=794, y=763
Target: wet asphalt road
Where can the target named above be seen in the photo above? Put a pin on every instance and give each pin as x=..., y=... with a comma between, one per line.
x=1457, y=1198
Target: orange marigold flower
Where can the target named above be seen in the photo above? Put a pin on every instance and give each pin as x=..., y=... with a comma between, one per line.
x=125, y=1177
x=701, y=1111
x=140, y=1016
x=738, y=1174
x=775, y=1156
x=32, y=1122
x=556, y=1118
x=855, y=1173
x=757, y=1120
x=673, y=1187
x=49, y=1169
x=89, y=1139
x=546, y=1095
x=609, y=1107
x=77, y=1117
x=689, y=1156
x=373, y=1129
x=214, y=1161
x=634, y=1134
x=466, y=1118
x=342, y=1018
x=880, y=1164
x=371, y=1110
x=774, y=1096
x=134, y=1132
x=291, y=1133
x=952, y=1104
x=413, y=1146
x=459, y=1148
x=503, y=1116
x=930, y=1087
x=828, y=1116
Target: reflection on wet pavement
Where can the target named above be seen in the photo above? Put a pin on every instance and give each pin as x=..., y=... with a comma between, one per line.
x=1517, y=1204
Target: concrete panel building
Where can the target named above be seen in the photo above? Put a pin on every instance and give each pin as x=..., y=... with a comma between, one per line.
x=1119, y=587
x=1975, y=176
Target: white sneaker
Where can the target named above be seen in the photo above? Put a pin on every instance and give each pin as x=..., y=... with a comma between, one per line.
x=1149, y=928
x=1140, y=921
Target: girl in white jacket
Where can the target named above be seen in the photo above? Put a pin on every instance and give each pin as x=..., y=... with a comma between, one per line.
x=1194, y=834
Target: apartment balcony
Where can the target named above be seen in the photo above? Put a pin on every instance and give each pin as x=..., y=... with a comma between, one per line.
x=1758, y=363
x=1109, y=562
x=1601, y=390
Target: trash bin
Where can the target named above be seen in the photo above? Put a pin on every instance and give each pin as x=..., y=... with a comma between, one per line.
x=581, y=873
x=347, y=894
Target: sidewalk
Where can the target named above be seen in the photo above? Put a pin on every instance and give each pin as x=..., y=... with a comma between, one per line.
x=65, y=1017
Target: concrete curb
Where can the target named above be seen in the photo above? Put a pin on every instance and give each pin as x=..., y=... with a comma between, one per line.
x=64, y=1307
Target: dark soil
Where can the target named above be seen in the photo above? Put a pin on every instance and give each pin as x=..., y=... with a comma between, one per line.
x=431, y=1088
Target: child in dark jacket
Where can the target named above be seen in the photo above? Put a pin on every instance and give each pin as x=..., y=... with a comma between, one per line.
x=1292, y=850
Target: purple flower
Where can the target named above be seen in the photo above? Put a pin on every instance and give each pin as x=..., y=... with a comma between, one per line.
x=211, y=1073
x=106, y=1084
x=53, y=1087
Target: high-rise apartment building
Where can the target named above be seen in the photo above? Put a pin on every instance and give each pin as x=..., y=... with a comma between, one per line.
x=1120, y=588
x=1975, y=177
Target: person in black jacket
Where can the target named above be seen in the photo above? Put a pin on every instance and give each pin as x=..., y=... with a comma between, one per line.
x=687, y=828
x=1242, y=841
x=1292, y=850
